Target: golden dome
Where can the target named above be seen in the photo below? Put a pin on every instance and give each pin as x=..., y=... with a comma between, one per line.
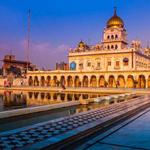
x=81, y=44
x=115, y=21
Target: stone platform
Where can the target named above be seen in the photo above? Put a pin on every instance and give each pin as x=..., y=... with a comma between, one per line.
x=56, y=134
x=78, y=89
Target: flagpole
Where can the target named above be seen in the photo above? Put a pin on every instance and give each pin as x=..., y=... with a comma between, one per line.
x=28, y=39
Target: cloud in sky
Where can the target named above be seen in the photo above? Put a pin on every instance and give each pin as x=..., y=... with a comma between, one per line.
x=63, y=48
x=44, y=54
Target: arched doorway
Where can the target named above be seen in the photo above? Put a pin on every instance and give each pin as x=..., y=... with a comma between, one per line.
x=111, y=81
x=30, y=94
x=36, y=81
x=30, y=81
x=148, y=82
x=85, y=81
x=42, y=96
x=42, y=81
x=130, y=82
x=48, y=81
x=77, y=82
x=69, y=81
x=102, y=82
x=141, y=82
x=93, y=81
x=62, y=81
x=121, y=81
x=55, y=82
x=36, y=95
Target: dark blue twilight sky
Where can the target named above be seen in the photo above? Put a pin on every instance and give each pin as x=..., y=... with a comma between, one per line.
x=57, y=25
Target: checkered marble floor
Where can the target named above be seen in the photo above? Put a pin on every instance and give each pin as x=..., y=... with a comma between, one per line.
x=17, y=139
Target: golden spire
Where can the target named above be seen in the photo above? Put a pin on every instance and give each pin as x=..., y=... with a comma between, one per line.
x=115, y=11
x=115, y=21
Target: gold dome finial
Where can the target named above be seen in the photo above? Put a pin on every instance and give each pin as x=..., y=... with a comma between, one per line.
x=115, y=21
x=115, y=11
x=81, y=44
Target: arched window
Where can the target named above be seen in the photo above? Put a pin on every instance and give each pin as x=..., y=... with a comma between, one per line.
x=89, y=64
x=108, y=47
x=108, y=37
x=116, y=46
x=73, y=66
x=112, y=37
x=126, y=61
x=116, y=36
x=117, y=63
x=80, y=65
x=112, y=47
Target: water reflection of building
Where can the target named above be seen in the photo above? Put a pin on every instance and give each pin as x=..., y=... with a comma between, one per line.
x=26, y=99
x=112, y=63
x=1, y=102
x=42, y=98
x=11, y=99
x=46, y=98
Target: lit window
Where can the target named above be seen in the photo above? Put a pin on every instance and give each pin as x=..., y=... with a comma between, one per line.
x=98, y=64
x=117, y=63
x=89, y=64
x=81, y=66
x=116, y=46
x=116, y=36
x=108, y=47
x=109, y=63
x=112, y=37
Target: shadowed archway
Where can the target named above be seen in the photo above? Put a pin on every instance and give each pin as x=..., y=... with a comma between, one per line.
x=62, y=81
x=77, y=82
x=30, y=81
x=42, y=81
x=93, y=81
x=121, y=81
x=130, y=83
x=141, y=81
x=36, y=81
x=55, y=82
x=111, y=81
x=48, y=81
x=102, y=82
x=70, y=81
x=85, y=81
x=148, y=82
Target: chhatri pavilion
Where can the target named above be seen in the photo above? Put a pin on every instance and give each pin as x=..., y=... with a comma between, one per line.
x=112, y=63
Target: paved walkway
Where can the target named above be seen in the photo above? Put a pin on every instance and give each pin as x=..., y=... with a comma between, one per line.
x=52, y=132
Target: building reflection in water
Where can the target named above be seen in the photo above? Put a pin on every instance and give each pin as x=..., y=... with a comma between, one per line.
x=9, y=99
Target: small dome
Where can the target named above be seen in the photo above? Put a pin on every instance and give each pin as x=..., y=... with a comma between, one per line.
x=81, y=44
x=115, y=21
